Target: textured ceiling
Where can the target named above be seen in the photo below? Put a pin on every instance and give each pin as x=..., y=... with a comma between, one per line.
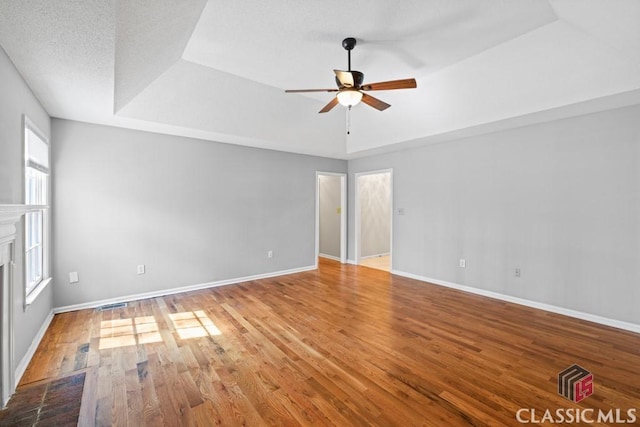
x=217, y=70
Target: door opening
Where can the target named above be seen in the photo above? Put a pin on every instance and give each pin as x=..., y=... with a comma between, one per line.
x=331, y=216
x=374, y=219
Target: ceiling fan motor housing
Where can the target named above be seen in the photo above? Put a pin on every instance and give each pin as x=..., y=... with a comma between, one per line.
x=358, y=79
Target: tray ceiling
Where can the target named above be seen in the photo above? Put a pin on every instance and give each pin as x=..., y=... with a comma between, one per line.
x=217, y=70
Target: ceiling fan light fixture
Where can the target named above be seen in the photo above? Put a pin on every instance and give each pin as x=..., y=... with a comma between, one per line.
x=349, y=97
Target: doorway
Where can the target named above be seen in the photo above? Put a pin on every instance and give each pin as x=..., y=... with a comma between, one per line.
x=374, y=219
x=331, y=216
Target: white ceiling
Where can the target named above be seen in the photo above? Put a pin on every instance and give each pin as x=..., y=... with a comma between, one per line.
x=218, y=69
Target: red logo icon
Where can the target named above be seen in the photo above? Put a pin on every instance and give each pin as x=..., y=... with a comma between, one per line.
x=575, y=383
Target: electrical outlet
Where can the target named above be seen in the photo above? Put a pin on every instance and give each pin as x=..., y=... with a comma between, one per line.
x=269, y=254
x=518, y=273
x=141, y=269
x=463, y=263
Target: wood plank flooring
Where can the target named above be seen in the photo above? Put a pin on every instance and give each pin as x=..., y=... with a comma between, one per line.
x=54, y=403
x=379, y=263
x=344, y=345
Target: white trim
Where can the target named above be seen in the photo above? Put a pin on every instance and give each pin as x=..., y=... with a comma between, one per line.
x=9, y=218
x=343, y=214
x=14, y=212
x=26, y=359
x=352, y=262
x=357, y=222
x=154, y=294
x=375, y=256
x=343, y=218
x=335, y=258
x=7, y=385
x=527, y=303
x=31, y=296
x=28, y=123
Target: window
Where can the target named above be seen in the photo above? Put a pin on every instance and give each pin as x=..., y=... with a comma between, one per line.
x=36, y=197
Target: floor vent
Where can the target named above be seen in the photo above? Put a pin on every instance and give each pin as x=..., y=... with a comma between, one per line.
x=112, y=306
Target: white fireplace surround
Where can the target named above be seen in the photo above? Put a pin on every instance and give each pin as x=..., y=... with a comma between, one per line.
x=9, y=218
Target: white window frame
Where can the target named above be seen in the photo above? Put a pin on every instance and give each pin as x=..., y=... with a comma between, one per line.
x=31, y=291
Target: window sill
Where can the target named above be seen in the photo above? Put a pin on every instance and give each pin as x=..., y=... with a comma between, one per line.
x=29, y=299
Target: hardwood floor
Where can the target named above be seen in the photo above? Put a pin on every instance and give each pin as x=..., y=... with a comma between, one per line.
x=53, y=403
x=379, y=262
x=343, y=345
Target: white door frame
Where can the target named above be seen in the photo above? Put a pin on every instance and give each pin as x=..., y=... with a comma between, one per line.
x=357, y=222
x=343, y=214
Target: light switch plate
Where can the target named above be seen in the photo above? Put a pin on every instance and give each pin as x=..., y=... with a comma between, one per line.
x=73, y=277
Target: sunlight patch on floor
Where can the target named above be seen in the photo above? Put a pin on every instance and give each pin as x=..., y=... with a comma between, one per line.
x=194, y=324
x=130, y=331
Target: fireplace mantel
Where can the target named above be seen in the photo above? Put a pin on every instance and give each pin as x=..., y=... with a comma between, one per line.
x=9, y=216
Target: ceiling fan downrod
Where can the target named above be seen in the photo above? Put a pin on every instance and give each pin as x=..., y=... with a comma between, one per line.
x=348, y=44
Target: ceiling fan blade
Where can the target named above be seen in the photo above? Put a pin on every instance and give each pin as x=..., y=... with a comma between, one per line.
x=330, y=105
x=374, y=102
x=310, y=90
x=345, y=78
x=391, y=84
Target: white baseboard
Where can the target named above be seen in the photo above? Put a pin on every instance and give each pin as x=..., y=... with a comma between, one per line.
x=352, y=261
x=335, y=258
x=24, y=362
x=154, y=294
x=376, y=255
x=528, y=303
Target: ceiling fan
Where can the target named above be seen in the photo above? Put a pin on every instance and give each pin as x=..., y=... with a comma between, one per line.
x=351, y=88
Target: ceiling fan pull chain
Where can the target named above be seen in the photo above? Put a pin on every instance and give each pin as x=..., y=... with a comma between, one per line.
x=349, y=120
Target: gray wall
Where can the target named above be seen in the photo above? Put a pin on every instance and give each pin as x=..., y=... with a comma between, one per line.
x=17, y=99
x=560, y=200
x=192, y=211
x=329, y=221
x=375, y=214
